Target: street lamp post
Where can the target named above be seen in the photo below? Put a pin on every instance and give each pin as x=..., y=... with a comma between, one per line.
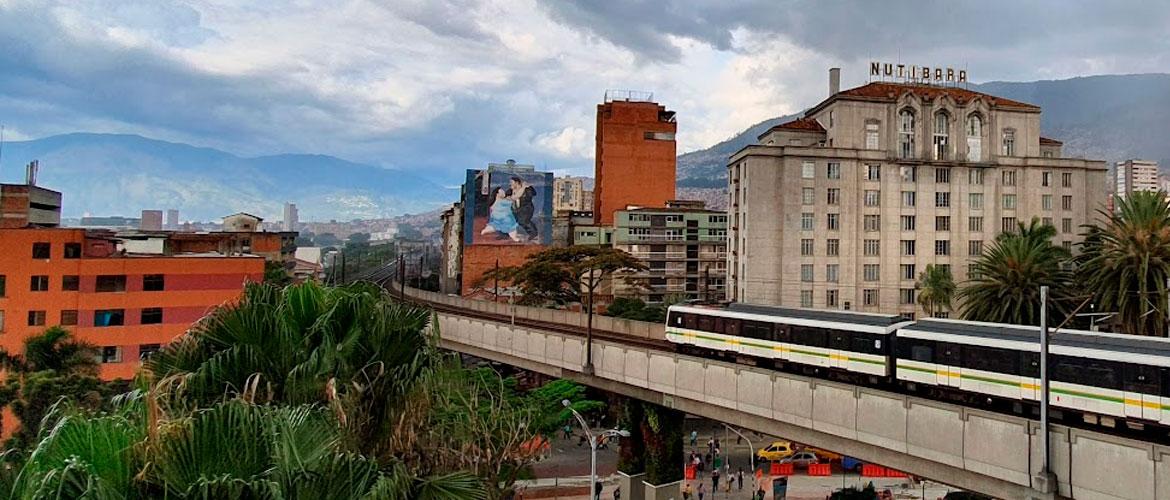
x=588, y=368
x=592, y=445
x=751, y=457
x=1046, y=473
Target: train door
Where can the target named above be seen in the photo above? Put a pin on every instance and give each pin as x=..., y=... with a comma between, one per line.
x=1030, y=376
x=950, y=366
x=1141, y=386
x=838, y=349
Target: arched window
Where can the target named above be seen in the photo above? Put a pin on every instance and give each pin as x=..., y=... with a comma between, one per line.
x=941, y=135
x=974, y=138
x=906, y=134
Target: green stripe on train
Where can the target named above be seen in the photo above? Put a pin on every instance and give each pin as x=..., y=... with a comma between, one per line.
x=790, y=349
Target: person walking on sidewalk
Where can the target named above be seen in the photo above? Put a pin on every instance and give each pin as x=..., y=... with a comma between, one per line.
x=701, y=491
x=694, y=437
x=688, y=491
x=739, y=478
x=714, y=480
x=617, y=493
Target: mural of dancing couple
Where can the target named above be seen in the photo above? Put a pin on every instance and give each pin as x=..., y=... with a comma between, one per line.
x=509, y=205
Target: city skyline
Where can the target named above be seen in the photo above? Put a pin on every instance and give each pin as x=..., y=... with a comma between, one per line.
x=540, y=72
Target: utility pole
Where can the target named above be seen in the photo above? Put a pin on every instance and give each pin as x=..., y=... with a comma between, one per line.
x=1048, y=478
x=496, y=281
x=402, y=275
x=588, y=369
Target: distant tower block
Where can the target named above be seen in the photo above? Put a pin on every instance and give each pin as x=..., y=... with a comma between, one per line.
x=636, y=150
x=172, y=219
x=291, y=218
x=152, y=220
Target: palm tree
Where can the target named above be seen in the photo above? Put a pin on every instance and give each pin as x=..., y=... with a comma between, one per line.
x=1126, y=262
x=53, y=349
x=937, y=288
x=1005, y=284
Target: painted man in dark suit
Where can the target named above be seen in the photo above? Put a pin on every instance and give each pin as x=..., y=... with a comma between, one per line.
x=523, y=206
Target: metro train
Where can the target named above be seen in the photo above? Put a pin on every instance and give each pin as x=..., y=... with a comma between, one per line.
x=1097, y=379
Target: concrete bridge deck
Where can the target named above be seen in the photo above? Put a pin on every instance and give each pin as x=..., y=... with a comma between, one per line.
x=968, y=448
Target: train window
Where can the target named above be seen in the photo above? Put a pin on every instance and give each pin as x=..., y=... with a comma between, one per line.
x=781, y=334
x=923, y=353
x=676, y=319
x=1030, y=364
x=705, y=323
x=691, y=321
x=1164, y=375
x=916, y=349
x=948, y=354
x=838, y=339
x=1084, y=371
x=990, y=359
x=1140, y=378
x=757, y=330
x=867, y=344
x=731, y=326
x=717, y=325
x=809, y=336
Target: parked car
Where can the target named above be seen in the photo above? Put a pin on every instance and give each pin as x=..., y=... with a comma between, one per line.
x=778, y=450
x=802, y=459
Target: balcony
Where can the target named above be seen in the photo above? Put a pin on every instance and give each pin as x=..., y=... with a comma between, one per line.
x=659, y=255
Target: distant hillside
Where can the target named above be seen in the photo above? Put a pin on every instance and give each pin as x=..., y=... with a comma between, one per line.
x=1110, y=117
x=106, y=174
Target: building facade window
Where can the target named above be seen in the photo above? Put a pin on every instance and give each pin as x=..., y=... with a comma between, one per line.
x=873, y=172
x=1009, y=202
x=806, y=298
x=973, y=272
x=152, y=316
x=1009, y=142
x=42, y=250
x=147, y=351
x=975, y=177
x=872, y=248
x=1067, y=245
x=975, y=224
x=907, y=272
x=806, y=247
x=1047, y=221
x=869, y=297
x=72, y=251
x=3, y=285
x=109, y=317
x=942, y=223
x=1066, y=202
x=39, y=283
x=908, y=222
x=1009, y=225
x=975, y=201
x=1008, y=178
x=111, y=354
x=831, y=272
x=111, y=283
x=942, y=175
x=1046, y=202
x=1066, y=179
x=873, y=198
x=833, y=196
x=807, y=196
x=1046, y=178
x=909, y=198
x=70, y=283
x=941, y=135
x=906, y=134
x=908, y=173
x=908, y=248
x=906, y=296
x=808, y=170
x=872, y=130
x=871, y=272
x=36, y=318
x=872, y=223
x=806, y=221
x=830, y=298
x=806, y=273
x=833, y=171
x=833, y=221
x=833, y=247
x=975, y=247
x=942, y=200
x=974, y=137
x=69, y=317
x=942, y=247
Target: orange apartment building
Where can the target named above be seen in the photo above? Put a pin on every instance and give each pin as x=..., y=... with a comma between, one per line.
x=635, y=154
x=127, y=304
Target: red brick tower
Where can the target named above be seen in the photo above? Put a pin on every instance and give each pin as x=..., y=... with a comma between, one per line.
x=635, y=159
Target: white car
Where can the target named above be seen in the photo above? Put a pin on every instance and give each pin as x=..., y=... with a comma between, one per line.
x=802, y=459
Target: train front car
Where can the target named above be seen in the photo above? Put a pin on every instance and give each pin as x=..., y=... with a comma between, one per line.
x=803, y=340
x=1096, y=378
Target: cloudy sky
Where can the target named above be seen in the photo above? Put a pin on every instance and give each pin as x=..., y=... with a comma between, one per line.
x=436, y=86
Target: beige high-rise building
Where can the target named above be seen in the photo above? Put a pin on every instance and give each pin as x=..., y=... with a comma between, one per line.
x=846, y=206
x=1136, y=175
x=569, y=194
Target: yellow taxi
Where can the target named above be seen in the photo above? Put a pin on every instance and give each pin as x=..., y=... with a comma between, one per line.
x=776, y=451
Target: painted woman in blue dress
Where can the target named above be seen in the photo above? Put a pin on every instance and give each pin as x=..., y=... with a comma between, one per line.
x=501, y=220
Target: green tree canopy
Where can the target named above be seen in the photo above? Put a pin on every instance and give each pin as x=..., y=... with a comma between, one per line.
x=565, y=275
x=1126, y=262
x=936, y=289
x=1005, y=284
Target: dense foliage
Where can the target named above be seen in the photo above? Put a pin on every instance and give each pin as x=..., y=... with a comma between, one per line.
x=635, y=309
x=936, y=289
x=564, y=275
x=1005, y=284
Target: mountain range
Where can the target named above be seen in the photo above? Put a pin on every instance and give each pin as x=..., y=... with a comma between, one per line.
x=1109, y=117
x=108, y=174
